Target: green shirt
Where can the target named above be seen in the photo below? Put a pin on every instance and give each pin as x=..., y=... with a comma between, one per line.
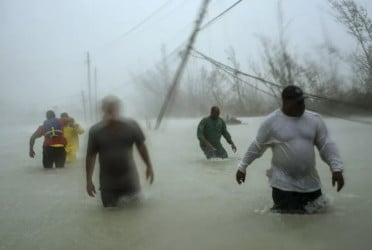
x=212, y=130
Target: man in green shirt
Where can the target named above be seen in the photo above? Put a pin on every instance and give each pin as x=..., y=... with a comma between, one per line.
x=210, y=130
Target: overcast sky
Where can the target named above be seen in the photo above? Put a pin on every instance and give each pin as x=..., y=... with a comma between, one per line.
x=43, y=43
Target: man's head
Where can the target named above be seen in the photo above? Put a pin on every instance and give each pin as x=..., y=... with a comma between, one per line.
x=215, y=112
x=293, y=101
x=50, y=114
x=64, y=115
x=111, y=107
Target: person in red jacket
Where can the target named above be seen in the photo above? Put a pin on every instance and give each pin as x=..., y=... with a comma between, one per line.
x=54, y=141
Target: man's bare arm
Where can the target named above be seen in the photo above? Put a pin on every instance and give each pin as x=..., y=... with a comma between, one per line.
x=89, y=167
x=33, y=137
x=142, y=149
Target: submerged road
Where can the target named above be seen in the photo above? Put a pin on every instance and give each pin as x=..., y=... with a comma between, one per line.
x=193, y=204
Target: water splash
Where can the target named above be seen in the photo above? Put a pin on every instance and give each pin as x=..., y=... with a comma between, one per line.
x=136, y=198
x=320, y=205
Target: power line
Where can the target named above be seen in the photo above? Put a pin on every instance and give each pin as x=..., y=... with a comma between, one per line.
x=210, y=22
x=138, y=25
x=272, y=84
x=227, y=70
x=220, y=15
x=205, y=26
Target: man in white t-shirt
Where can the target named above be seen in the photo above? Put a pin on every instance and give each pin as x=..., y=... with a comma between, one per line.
x=292, y=132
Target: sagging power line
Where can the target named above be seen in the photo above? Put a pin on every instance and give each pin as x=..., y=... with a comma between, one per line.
x=232, y=72
x=270, y=83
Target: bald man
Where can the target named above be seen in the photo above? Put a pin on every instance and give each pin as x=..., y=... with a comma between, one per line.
x=210, y=130
x=113, y=139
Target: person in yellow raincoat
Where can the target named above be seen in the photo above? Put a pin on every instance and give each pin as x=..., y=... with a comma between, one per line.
x=71, y=132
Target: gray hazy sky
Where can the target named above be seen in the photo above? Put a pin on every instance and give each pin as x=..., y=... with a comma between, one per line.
x=43, y=42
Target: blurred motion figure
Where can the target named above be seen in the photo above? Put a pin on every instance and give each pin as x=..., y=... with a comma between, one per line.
x=113, y=139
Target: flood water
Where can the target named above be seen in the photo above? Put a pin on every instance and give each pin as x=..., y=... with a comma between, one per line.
x=193, y=203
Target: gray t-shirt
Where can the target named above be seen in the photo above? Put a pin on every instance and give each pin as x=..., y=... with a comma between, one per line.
x=114, y=146
x=292, y=141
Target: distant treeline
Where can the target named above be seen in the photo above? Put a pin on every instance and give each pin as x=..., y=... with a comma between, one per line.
x=333, y=91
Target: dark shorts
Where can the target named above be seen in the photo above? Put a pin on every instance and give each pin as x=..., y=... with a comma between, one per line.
x=221, y=153
x=54, y=155
x=110, y=198
x=292, y=202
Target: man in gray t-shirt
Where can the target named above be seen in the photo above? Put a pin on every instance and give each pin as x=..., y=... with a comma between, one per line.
x=292, y=133
x=113, y=139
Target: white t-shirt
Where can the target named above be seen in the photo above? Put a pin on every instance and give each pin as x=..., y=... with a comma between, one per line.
x=292, y=141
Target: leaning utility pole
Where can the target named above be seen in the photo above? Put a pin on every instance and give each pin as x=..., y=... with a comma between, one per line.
x=170, y=95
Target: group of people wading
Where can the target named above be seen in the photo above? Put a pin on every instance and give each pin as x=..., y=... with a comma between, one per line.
x=291, y=132
x=61, y=140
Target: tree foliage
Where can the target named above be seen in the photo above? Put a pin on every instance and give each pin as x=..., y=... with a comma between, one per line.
x=358, y=24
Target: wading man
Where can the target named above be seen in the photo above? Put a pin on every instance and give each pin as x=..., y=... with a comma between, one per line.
x=113, y=139
x=209, y=132
x=54, y=141
x=292, y=132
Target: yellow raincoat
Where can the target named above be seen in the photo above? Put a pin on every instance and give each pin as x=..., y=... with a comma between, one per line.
x=71, y=132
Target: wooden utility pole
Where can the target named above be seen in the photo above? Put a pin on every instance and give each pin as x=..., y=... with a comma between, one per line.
x=89, y=89
x=95, y=94
x=170, y=95
x=84, y=105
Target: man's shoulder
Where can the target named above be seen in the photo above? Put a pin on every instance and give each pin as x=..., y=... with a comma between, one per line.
x=272, y=119
x=312, y=115
x=272, y=116
x=96, y=127
x=128, y=122
x=204, y=120
x=221, y=120
x=40, y=130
